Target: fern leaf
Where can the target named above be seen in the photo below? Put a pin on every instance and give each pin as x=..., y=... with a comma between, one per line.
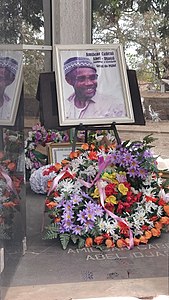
x=81, y=243
x=74, y=238
x=64, y=239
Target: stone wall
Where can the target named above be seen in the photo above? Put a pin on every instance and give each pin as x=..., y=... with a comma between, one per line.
x=159, y=103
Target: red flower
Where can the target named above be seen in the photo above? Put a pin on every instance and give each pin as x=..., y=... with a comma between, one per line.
x=109, y=207
x=110, y=189
x=67, y=175
x=144, y=227
x=93, y=155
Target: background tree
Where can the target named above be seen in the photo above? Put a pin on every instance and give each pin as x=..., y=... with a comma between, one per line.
x=142, y=26
x=12, y=15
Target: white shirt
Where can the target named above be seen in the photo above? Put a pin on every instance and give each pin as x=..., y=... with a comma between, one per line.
x=5, y=109
x=100, y=106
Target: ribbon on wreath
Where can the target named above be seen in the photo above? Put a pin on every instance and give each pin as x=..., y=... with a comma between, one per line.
x=8, y=181
x=103, y=164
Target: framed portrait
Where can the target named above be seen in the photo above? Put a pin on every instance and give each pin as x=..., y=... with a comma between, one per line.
x=59, y=151
x=92, y=85
x=11, y=83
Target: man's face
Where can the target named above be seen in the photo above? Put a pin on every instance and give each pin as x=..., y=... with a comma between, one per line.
x=6, y=78
x=84, y=81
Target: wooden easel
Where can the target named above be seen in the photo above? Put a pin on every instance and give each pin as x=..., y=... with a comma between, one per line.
x=86, y=128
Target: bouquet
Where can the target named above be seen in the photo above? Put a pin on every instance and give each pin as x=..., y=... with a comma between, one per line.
x=10, y=186
x=107, y=196
x=40, y=136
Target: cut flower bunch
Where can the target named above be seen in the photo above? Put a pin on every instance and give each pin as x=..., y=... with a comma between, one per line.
x=10, y=186
x=40, y=136
x=107, y=196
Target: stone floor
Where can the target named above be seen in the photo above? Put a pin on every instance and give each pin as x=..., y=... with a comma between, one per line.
x=49, y=273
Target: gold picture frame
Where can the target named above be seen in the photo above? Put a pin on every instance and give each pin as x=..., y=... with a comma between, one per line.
x=59, y=151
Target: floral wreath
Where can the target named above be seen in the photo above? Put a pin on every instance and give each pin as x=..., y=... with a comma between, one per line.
x=40, y=136
x=107, y=196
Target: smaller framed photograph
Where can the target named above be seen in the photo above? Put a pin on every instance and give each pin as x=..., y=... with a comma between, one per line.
x=59, y=151
x=11, y=82
x=92, y=85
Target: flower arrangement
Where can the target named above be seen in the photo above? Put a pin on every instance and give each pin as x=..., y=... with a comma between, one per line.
x=107, y=196
x=40, y=136
x=10, y=185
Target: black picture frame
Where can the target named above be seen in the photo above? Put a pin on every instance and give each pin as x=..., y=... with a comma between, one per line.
x=47, y=97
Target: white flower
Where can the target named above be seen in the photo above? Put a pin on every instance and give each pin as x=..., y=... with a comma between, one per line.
x=90, y=171
x=164, y=196
x=148, y=191
x=160, y=211
x=69, y=186
x=150, y=206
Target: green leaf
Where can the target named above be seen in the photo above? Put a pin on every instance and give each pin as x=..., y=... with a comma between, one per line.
x=81, y=243
x=51, y=233
x=64, y=239
x=74, y=238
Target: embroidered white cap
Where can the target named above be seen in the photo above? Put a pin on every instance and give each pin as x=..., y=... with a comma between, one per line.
x=10, y=63
x=77, y=62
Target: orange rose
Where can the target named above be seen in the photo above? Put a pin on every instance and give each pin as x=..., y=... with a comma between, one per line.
x=65, y=162
x=166, y=209
x=89, y=242
x=74, y=154
x=58, y=166
x=121, y=243
x=57, y=220
x=155, y=232
x=51, y=205
x=109, y=243
x=11, y=166
x=158, y=225
x=99, y=240
x=85, y=146
x=143, y=239
x=9, y=204
x=148, y=234
x=164, y=220
x=136, y=241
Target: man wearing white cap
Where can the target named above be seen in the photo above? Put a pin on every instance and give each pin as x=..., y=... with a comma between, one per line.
x=85, y=102
x=8, y=69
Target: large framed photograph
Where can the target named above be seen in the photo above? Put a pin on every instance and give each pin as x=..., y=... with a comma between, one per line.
x=11, y=81
x=59, y=151
x=92, y=85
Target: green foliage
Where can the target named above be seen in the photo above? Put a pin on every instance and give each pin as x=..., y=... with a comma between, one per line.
x=64, y=239
x=51, y=233
x=12, y=15
x=139, y=25
x=81, y=242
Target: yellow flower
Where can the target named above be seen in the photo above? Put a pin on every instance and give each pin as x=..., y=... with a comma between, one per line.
x=123, y=189
x=111, y=200
x=111, y=177
x=122, y=173
x=96, y=193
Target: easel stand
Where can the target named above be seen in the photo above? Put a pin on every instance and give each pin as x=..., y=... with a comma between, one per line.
x=86, y=128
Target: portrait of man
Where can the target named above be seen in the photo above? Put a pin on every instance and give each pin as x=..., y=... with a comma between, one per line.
x=8, y=69
x=86, y=102
x=92, y=85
